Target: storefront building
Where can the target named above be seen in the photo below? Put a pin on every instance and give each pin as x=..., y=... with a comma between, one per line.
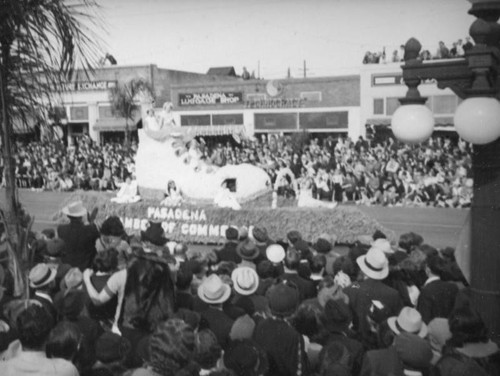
x=316, y=105
x=381, y=87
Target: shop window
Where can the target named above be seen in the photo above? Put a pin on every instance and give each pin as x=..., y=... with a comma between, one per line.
x=378, y=106
x=106, y=112
x=256, y=97
x=392, y=104
x=276, y=121
x=78, y=113
x=269, y=122
x=311, y=96
x=227, y=119
x=191, y=120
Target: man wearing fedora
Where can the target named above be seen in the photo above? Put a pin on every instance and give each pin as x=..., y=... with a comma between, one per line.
x=371, y=290
x=306, y=288
x=245, y=284
x=214, y=292
x=80, y=238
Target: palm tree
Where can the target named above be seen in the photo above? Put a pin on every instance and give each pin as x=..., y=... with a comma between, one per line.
x=124, y=100
x=42, y=43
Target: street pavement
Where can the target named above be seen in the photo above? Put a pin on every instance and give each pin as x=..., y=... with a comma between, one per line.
x=440, y=227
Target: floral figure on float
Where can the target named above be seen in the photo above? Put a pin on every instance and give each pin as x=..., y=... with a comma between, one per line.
x=168, y=152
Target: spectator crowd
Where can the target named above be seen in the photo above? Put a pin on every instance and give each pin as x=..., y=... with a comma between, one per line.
x=457, y=49
x=386, y=172
x=106, y=303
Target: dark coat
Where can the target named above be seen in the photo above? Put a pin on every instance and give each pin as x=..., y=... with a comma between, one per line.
x=361, y=296
x=355, y=349
x=437, y=299
x=283, y=344
x=218, y=322
x=79, y=242
x=228, y=253
x=307, y=290
x=382, y=362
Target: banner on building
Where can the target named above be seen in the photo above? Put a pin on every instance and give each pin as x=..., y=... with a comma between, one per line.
x=211, y=98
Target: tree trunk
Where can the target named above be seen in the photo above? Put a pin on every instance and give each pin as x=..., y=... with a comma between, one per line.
x=127, y=134
x=11, y=194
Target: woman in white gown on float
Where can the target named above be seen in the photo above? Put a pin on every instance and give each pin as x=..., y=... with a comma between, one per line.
x=306, y=199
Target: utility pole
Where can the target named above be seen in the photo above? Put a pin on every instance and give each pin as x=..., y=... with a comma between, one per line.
x=304, y=69
x=258, y=69
x=289, y=75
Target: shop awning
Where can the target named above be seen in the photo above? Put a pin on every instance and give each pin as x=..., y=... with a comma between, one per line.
x=114, y=125
x=216, y=130
x=442, y=121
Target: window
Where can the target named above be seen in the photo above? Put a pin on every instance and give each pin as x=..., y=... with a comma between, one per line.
x=227, y=119
x=311, y=96
x=195, y=120
x=276, y=121
x=269, y=122
x=105, y=112
x=444, y=104
x=256, y=97
x=392, y=104
x=378, y=106
x=323, y=120
x=78, y=113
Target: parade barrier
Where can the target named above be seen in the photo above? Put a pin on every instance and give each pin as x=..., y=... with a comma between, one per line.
x=206, y=224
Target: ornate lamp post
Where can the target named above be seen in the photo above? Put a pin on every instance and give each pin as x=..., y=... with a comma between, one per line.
x=475, y=79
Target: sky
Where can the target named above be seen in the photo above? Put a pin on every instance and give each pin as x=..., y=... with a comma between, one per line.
x=274, y=35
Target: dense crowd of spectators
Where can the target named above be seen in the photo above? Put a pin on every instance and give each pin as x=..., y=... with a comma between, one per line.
x=386, y=172
x=457, y=49
x=105, y=303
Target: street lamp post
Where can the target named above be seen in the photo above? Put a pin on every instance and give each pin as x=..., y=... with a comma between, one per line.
x=475, y=79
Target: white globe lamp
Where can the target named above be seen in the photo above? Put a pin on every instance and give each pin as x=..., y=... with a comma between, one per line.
x=412, y=123
x=477, y=120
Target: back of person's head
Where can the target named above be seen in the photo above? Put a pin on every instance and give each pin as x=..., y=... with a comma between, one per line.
x=112, y=226
x=184, y=277
x=305, y=320
x=106, y=261
x=466, y=326
x=64, y=341
x=428, y=250
x=335, y=359
x=34, y=325
x=410, y=240
x=172, y=348
x=318, y=263
x=208, y=349
x=265, y=269
x=292, y=259
x=435, y=264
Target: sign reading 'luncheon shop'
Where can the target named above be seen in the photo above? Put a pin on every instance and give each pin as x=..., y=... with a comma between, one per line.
x=192, y=99
x=192, y=223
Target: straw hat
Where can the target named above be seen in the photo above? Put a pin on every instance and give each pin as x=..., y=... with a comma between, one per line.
x=41, y=275
x=245, y=280
x=75, y=209
x=275, y=253
x=374, y=264
x=409, y=320
x=213, y=291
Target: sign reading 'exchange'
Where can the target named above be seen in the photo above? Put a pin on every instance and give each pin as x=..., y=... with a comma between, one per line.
x=193, y=99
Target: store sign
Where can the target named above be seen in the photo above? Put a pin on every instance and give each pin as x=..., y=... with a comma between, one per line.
x=275, y=103
x=193, y=99
x=396, y=79
x=89, y=85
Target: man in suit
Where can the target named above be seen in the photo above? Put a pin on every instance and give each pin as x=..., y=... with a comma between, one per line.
x=228, y=250
x=437, y=297
x=306, y=288
x=372, y=292
x=79, y=238
x=42, y=282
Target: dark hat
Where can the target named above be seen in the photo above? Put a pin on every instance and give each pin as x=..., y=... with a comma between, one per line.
x=111, y=347
x=283, y=298
x=189, y=317
x=50, y=233
x=336, y=315
x=302, y=246
x=245, y=357
x=242, y=328
x=154, y=234
x=322, y=246
x=247, y=250
x=112, y=226
x=55, y=247
x=232, y=233
x=260, y=234
x=294, y=236
x=413, y=351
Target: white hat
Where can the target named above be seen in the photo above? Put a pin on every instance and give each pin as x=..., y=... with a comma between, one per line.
x=383, y=244
x=213, y=291
x=245, y=280
x=275, y=253
x=41, y=275
x=409, y=320
x=374, y=264
x=75, y=209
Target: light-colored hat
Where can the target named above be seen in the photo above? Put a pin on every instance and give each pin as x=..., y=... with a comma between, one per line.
x=41, y=275
x=275, y=253
x=72, y=279
x=245, y=280
x=75, y=209
x=374, y=264
x=409, y=320
x=213, y=291
x=384, y=245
